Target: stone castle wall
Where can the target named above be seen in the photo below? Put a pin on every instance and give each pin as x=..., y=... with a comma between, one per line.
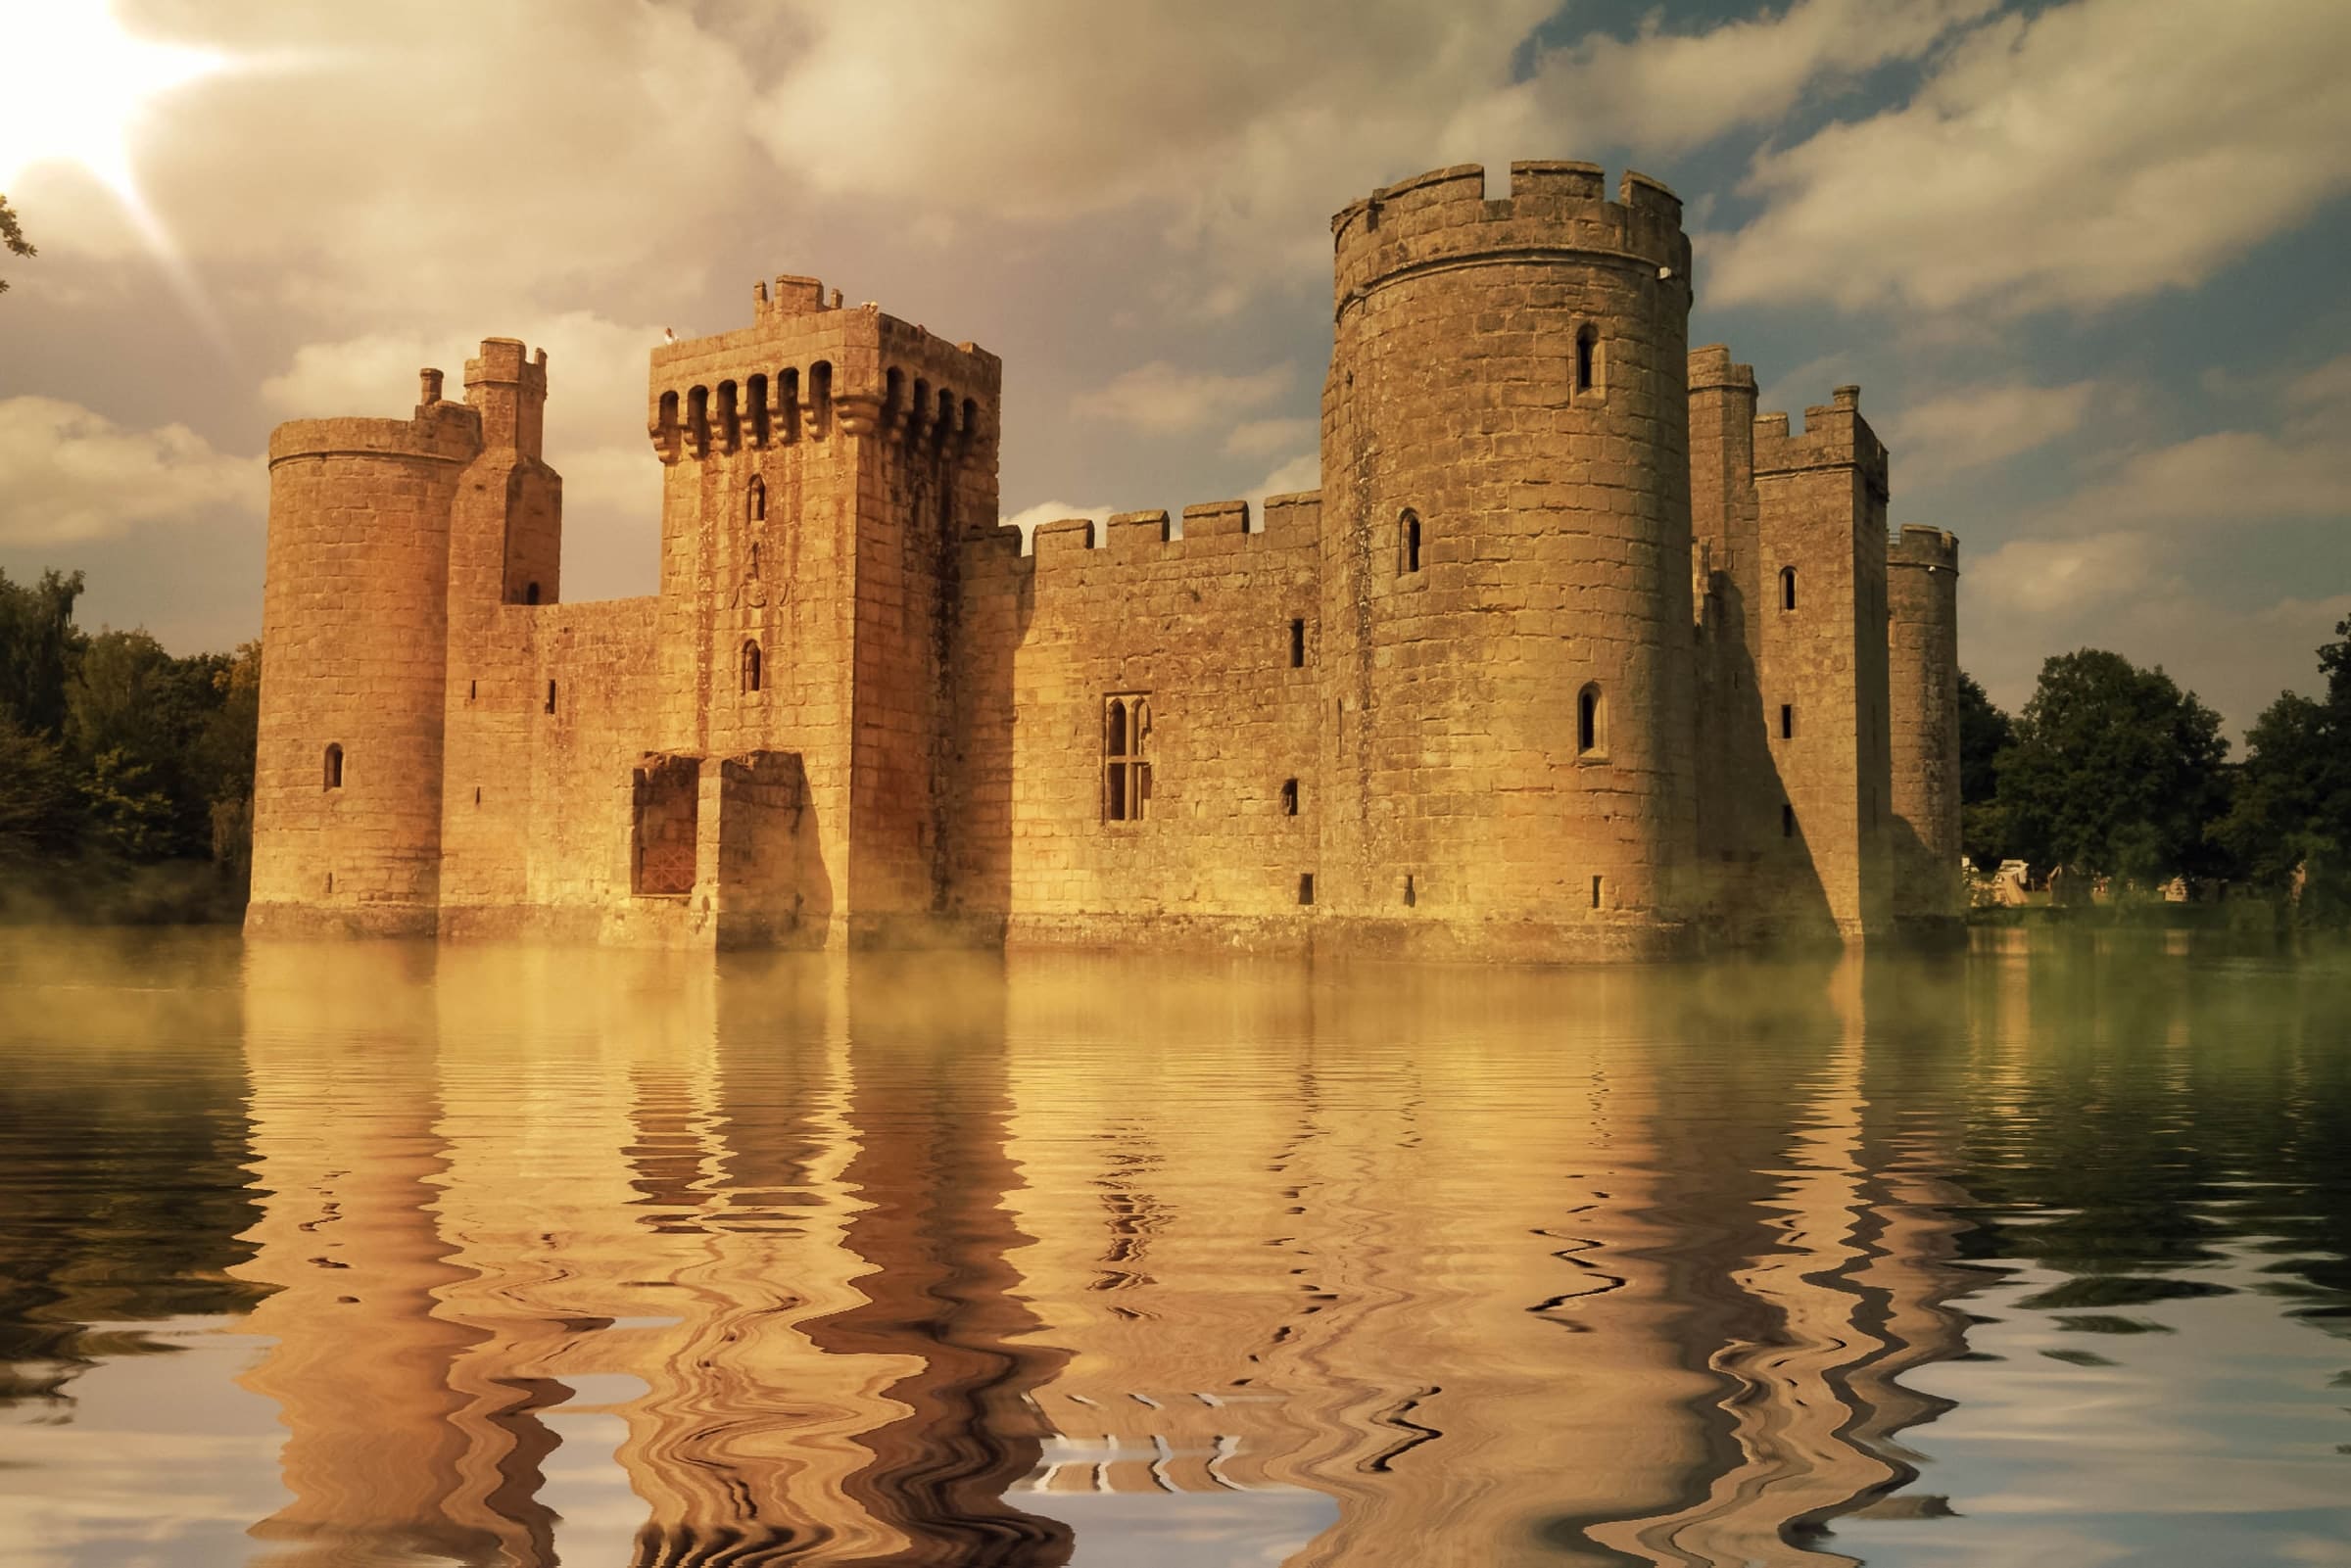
x=1574, y=656
x=1204, y=635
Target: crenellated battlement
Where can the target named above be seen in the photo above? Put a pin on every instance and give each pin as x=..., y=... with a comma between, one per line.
x=1712, y=369
x=1834, y=435
x=806, y=371
x=1918, y=544
x=1209, y=529
x=438, y=432
x=1554, y=208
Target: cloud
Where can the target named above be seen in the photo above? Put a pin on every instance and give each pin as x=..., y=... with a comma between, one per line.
x=1245, y=125
x=1161, y=400
x=2100, y=151
x=1971, y=427
x=1670, y=91
x=2044, y=578
x=1258, y=438
x=71, y=475
x=411, y=159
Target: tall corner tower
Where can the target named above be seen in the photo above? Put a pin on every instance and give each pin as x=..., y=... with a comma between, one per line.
x=1505, y=557
x=1922, y=635
x=347, y=783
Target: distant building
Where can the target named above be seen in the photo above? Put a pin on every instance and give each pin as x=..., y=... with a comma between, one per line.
x=1572, y=656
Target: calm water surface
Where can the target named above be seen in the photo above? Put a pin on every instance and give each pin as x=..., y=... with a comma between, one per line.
x=381, y=1254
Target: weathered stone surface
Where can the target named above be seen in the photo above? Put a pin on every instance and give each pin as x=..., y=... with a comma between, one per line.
x=1509, y=686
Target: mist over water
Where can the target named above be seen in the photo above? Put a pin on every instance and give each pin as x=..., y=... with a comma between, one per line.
x=390, y=1253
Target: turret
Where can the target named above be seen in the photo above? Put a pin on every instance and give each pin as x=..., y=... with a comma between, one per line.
x=511, y=392
x=1507, y=555
x=1922, y=596
x=347, y=786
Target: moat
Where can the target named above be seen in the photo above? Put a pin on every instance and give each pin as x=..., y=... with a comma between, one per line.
x=396, y=1254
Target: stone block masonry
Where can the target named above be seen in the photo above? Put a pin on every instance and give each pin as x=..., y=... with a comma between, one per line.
x=1572, y=656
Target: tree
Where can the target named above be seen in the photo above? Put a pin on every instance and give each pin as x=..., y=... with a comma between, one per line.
x=39, y=649
x=39, y=816
x=2292, y=810
x=12, y=234
x=1983, y=728
x=2113, y=771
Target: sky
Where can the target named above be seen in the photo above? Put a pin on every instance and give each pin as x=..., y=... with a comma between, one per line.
x=2087, y=259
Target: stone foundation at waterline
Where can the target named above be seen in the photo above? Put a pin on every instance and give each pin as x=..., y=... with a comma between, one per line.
x=1575, y=654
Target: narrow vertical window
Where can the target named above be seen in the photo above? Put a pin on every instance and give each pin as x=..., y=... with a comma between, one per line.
x=530, y=594
x=1787, y=721
x=334, y=767
x=1289, y=798
x=1306, y=887
x=550, y=696
x=1298, y=644
x=1411, y=541
x=754, y=500
x=1596, y=882
x=1591, y=721
x=751, y=667
x=1411, y=895
x=1787, y=822
x=1787, y=588
x=1126, y=770
x=473, y=688
x=1587, y=357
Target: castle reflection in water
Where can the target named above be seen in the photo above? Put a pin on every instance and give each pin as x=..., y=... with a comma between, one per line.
x=961, y=1263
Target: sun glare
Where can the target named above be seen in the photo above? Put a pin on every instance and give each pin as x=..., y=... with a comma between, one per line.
x=82, y=88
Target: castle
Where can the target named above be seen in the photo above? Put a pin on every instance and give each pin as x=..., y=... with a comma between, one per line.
x=1573, y=654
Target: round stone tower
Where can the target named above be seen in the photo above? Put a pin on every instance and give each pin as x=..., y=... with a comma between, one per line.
x=1922, y=683
x=1506, y=562
x=347, y=782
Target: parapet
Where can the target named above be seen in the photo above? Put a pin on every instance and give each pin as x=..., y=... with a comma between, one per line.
x=1835, y=436
x=1711, y=370
x=504, y=362
x=438, y=432
x=806, y=367
x=1933, y=549
x=1554, y=208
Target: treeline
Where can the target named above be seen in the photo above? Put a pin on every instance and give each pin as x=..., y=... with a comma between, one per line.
x=125, y=773
x=2111, y=770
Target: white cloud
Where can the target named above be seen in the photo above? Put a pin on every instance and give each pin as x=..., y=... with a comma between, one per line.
x=1971, y=427
x=2102, y=150
x=69, y=474
x=2060, y=578
x=1670, y=91
x=1257, y=437
x=1161, y=400
x=2227, y=478
x=411, y=159
x=1246, y=124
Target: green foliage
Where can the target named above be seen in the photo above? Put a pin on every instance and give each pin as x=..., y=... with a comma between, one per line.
x=2114, y=770
x=39, y=812
x=126, y=773
x=12, y=234
x=129, y=812
x=1984, y=730
x=38, y=648
x=2290, y=823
